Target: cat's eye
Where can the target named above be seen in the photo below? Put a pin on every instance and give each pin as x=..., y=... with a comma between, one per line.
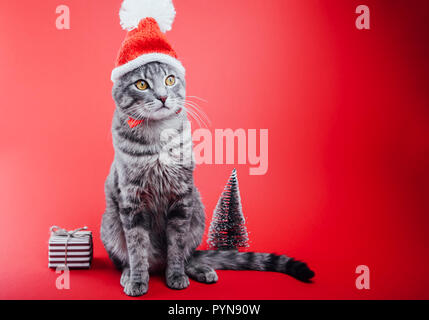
x=170, y=80
x=141, y=85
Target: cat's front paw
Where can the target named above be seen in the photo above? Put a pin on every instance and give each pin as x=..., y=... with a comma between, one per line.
x=177, y=281
x=135, y=289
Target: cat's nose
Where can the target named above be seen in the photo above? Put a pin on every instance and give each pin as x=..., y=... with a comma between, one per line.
x=163, y=98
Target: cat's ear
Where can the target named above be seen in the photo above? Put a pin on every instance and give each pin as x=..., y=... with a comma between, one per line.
x=133, y=11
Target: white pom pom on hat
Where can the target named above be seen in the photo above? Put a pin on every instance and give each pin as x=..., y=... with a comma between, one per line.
x=133, y=11
x=146, y=22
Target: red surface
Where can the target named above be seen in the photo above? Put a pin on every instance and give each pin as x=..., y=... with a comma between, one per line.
x=347, y=113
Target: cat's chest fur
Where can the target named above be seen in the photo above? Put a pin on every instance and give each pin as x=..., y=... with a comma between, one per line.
x=156, y=165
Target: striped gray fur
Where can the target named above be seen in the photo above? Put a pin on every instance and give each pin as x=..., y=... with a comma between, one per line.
x=154, y=217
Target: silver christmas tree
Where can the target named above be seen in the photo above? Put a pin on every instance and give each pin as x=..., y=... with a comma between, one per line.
x=227, y=230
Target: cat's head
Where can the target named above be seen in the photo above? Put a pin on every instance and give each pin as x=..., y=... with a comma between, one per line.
x=153, y=91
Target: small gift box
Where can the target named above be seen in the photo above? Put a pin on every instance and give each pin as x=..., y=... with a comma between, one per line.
x=72, y=249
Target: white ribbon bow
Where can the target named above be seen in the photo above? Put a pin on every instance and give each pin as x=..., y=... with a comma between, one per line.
x=69, y=234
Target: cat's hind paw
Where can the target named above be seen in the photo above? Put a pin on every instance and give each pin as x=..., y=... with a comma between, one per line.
x=125, y=277
x=203, y=274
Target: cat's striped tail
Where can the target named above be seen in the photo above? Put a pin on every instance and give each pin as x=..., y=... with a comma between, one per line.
x=234, y=260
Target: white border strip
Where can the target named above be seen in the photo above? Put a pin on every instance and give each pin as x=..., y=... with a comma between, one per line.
x=143, y=59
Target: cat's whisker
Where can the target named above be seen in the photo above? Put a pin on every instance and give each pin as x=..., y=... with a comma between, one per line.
x=201, y=99
x=148, y=118
x=194, y=116
x=199, y=110
x=137, y=113
x=196, y=105
x=145, y=111
x=192, y=108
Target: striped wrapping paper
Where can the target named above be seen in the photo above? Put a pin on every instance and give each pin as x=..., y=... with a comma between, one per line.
x=79, y=250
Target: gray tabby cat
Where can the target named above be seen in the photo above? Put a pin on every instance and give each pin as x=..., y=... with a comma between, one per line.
x=154, y=217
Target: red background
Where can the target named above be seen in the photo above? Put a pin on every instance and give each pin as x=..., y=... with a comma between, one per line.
x=347, y=113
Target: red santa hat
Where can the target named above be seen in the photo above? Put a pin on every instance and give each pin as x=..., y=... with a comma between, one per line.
x=146, y=22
